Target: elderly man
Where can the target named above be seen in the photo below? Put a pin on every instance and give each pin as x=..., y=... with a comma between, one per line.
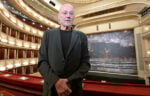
x=63, y=57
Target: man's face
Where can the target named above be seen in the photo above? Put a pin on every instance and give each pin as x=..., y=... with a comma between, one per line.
x=66, y=16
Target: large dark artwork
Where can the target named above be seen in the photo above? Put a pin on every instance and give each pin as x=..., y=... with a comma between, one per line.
x=113, y=52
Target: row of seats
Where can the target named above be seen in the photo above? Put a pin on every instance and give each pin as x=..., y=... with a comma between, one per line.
x=24, y=18
x=9, y=64
x=14, y=42
x=12, y=21
x=19, y=43
x=12, y=53
x=19, y=35
x=33, y=23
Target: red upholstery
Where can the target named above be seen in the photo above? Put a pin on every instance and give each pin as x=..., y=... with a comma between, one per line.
x=35, y=53
x=21, y=36
x=2, y=53
x=28, y=53
x=19, y=87
x=30, y=38
x=4, y=28
x=36, y=40
x=11, y=53
x=20, y=53
x=6, y=93
x=91, y=88
x=13, y=32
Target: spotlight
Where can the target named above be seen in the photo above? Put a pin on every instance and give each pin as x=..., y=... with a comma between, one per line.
x=52, y=3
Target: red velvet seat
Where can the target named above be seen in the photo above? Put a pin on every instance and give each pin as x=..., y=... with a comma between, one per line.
x=2, y=53
x=13, y=32
x=4, y=28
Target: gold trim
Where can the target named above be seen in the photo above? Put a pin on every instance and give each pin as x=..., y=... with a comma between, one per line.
x=82, y=1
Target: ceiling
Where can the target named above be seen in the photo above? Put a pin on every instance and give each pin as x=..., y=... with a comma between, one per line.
x=78, y=3
x=81, y=1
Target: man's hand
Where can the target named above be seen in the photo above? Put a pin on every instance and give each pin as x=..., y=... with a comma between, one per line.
x=62, y=88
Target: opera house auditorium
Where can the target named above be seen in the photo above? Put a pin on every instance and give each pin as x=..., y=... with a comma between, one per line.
x=118, y=33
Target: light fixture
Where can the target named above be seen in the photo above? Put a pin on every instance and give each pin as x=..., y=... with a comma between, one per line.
x=24, y=19
x=11, y=42
x=9, y=66
x=149, y=66
x=2, y=68
x=17, y=64
x=148, y=52
x=25, y=63
x=26, y=45
x=33, y=47
x=40, y=33
x=33, y=23
x=19, y=44
x=41, y=26
x=27, y=28
x=32, y=62
x=39, y=46
x=4, y=40
x=146, y=28
x=34, y=31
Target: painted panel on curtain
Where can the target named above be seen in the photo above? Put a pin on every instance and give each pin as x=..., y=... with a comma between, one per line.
x=113, y=52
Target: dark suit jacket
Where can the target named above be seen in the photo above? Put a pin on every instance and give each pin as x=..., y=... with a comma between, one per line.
x=52, y=64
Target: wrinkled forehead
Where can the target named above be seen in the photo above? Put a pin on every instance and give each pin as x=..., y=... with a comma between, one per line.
x=66, y=7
